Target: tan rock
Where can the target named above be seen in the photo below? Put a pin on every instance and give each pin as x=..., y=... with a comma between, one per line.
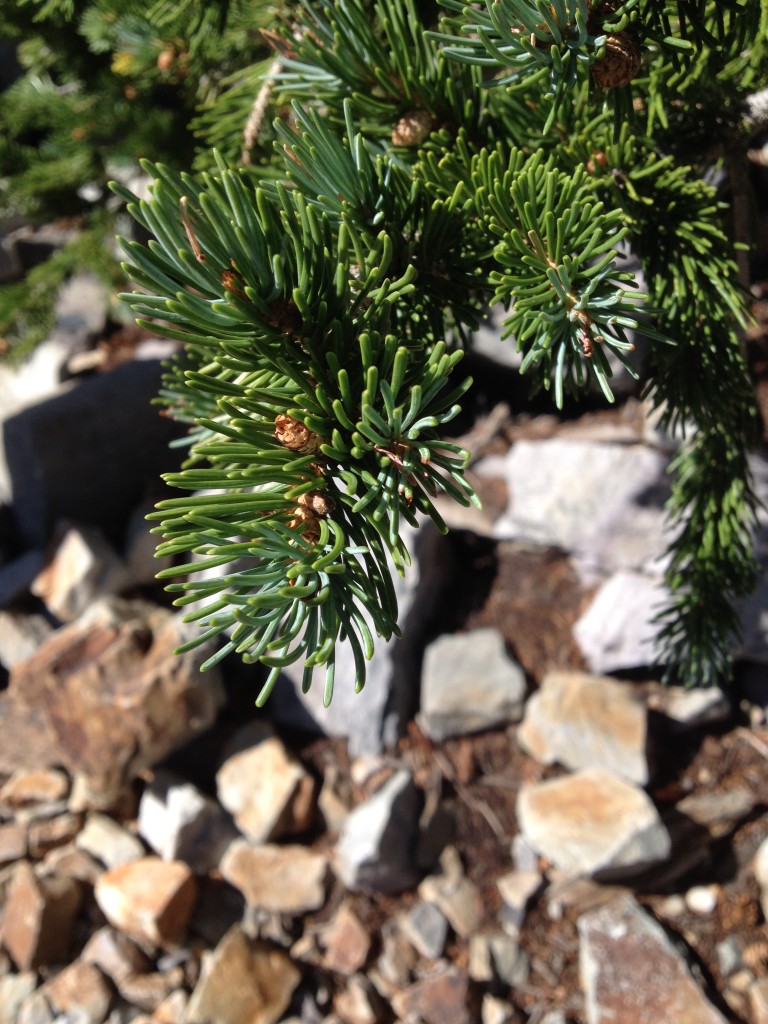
x=357, y=1002
x=83, y=568
x=243, y=981
x=147, y=991
x=150, y=900
x=106, y=840
x=38, y=918
x=267, y=791
x=49, y=833
x=593, y=823
x=583, y=721
x=346, y=942
x=32, y=787
x=70, y=862
x=454, y=894
x=110, y=697
x=13, y=842
x=284, y=879
x=35, y=1010
x=80, y=989
x=114, y=954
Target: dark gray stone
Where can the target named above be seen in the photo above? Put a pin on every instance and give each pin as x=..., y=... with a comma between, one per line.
x=90, y=454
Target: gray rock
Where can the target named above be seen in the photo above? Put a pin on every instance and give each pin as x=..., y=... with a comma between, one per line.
x=690, y=708
x=497, y=957
x=603, y=502
x=180, y=823
x=630, y=971
x=517, y=889
x=375, y=718
x=375, y=849
x=20, y=636
x=17, y=575
x=617, y=631
x=593, y=823
x=426, y=928
x=584, y=721
x=14, y=990
x=90, y=453
x=469, y=683
x=761, y=874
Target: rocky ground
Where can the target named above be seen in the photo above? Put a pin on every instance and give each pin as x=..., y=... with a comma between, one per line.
x=513, y=823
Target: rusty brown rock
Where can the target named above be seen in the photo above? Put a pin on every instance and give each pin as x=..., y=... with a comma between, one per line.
x=346, y=942
x=13, y=842
x=149, y=900
x=111, y=697
x=38, y=918
x=114, y=954
x=439, y=998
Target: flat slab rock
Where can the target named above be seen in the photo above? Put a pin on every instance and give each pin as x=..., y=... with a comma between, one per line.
x=630, y=971
x=593, y=823
x=584, y=721
x=469, y=683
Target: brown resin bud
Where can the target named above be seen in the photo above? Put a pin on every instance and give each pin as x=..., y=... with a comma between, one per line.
x=412, y=128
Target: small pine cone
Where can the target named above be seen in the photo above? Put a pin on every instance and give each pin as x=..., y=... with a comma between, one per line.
x=412, y=128
x=621, y=63
x=293, y=434
x=317, y=502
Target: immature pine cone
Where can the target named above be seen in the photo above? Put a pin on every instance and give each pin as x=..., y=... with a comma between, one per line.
x=293, y=434
x=623, y=61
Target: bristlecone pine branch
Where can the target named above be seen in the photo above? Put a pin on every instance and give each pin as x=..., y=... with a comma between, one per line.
x=418, y=170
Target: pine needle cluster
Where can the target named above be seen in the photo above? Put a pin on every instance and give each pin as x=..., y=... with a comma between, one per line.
x=390, y=169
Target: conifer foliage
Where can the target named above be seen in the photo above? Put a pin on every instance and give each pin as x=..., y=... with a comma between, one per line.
x=405, y=165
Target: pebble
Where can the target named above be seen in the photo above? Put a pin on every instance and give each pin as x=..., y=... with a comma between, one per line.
x=426, y=928
x=630, y=971
x=456, y=896
x=39, y=917
x=149, y=900
x=593, y=823
x=468, y=684
x=14, y=990
x=583, y=721
x=243, y=981
x=346, y=942
x=106, y=840
x=438, y=998
x=374, y=852
x=286, y=879
x=180, y=823
x=80, y=989
x=702, y=899
x=264, y=787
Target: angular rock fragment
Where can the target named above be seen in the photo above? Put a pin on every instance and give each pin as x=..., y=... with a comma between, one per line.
x=283, y=879
x=457, y=897
x=115, y=955
x=426, y=928
x=469, y=683
x=148, y=899
x=14, y=990
x=375, y=849
x=346, y=942
x=113, y=698
x=83, y=568
x=180, y=823
x=106, y=840
x=243, y=981
x=584, y=721
x=265, y=788
x=593, y=823
x=81, y=990
x=630, y=971
x=439, y=998
x=38, y=918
